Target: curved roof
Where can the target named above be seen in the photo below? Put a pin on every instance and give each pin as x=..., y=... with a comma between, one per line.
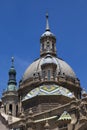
x=62, y=67
x=65, y=116
x=48, y=90
x=47, y=33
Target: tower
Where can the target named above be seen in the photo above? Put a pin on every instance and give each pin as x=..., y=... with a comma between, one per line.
x=10, y=96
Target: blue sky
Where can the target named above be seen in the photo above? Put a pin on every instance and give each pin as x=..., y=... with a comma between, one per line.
x=23, y=21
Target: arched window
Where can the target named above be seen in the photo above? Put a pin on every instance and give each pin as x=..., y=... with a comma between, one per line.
x=54, y=74
x=43, y=74
x=10, y=108
x=53, y=46
x=48, y=74
x=48, y=46
x=5, y=108
x=16, y=110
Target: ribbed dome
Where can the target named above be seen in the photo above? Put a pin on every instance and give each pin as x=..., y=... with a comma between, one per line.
x=62, y=67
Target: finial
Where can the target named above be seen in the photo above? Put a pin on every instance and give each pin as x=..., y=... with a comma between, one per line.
x=30, y=112
x=12, y=60
x=47, y=126
x=47, y=23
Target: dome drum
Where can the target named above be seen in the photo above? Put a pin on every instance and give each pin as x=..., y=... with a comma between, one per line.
x=9, y=95
x=42, y=101
x=45, y=37
x=48, y=47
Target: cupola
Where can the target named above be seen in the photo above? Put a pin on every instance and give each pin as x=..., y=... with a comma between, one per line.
x=48, y=41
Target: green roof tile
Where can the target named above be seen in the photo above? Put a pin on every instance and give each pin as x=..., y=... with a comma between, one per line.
x=65, y=116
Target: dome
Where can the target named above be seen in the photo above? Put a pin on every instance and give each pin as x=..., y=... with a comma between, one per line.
x=47, y=33
x=48, y=68
x=62, y=67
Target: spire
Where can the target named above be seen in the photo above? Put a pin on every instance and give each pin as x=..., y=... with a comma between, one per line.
x=12, y=60
x=47, y=126
x=12, y=77
x=12, y=69
x=47, y=23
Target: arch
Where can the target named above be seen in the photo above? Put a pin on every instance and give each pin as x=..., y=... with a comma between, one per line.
x=16, y=109
x=10, y=108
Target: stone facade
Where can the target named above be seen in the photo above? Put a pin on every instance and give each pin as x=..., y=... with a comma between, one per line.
x=49, y=96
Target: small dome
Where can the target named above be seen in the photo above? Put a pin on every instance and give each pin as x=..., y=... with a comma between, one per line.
x=12, y=70
x=47, y=33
